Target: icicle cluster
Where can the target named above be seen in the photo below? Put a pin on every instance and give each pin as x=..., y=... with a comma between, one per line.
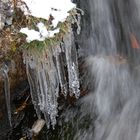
x=4, y=70
x=71, y=60
x=47, y=72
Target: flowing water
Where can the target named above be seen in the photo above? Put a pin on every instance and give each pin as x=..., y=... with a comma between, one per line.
x=111, y=51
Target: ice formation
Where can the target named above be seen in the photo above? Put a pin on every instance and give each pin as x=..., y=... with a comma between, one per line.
x=47, y=72
x=55, y=70
x=5, y=70
x=71, y=59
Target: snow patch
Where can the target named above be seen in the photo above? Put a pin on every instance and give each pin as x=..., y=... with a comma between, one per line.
x=40, y=35
x=44, y=8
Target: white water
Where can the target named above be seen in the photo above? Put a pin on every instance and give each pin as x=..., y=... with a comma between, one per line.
x=115, y=100
x=112, y=67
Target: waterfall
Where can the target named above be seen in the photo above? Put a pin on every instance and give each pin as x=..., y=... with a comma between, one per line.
x=111, y=54
x=47, y=71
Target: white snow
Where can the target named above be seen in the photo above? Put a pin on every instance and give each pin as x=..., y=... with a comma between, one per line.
x=42, y=29
x=52, y=33
x=40, y=35
x=44, y=8
x=31, y=34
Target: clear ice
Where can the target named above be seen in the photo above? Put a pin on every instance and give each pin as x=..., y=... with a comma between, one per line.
x=47, y=76
x=5, y=70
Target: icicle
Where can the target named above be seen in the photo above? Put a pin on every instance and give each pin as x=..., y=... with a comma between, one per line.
x=72, y=65
x=47, y=71
x=53, y=86
x=44, y=83
x=60, y=69
x=32, y=79
x=5, y=70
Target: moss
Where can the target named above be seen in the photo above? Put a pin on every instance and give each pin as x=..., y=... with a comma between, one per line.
x=64, y=27
x=17, y=40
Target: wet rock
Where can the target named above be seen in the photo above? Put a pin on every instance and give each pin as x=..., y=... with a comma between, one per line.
x=6, y=12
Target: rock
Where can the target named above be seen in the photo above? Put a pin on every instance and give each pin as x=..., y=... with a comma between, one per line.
x=6, y=12
x=37, y=126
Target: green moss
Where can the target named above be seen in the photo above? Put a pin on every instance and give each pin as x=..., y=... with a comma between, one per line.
x=17, y=41
x=31, y=22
